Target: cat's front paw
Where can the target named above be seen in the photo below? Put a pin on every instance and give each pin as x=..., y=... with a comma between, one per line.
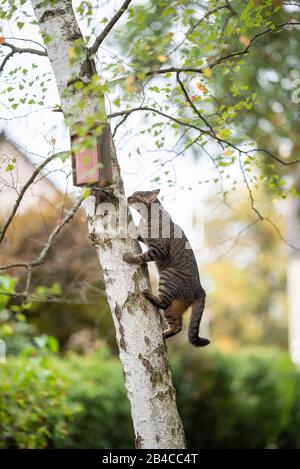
x=147, y=293
x=129, y=258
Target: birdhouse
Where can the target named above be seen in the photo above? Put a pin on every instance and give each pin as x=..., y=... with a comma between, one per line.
x=92, y=166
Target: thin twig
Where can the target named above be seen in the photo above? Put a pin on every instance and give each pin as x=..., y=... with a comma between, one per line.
x=156, y=111
x=203, y=131
x=195, y=25
x=249, y=188
x=19, y=50
x=261, y=217
x=47, y=299
x=99, y=39
x=236, y=238
x=21, y=194
x=183, y=89
x=223, y=58
x=28, y=281
x=43, y=254
x=280, y=235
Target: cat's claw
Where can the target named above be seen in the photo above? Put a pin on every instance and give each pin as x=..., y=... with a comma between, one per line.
x=147, y=293
x=128, y=257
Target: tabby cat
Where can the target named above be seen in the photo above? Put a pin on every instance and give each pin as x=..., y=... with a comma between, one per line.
x=179, y=283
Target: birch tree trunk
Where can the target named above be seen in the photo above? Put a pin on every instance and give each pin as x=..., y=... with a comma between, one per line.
x=138, y=324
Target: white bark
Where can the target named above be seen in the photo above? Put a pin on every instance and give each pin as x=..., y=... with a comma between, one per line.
x=138, y=324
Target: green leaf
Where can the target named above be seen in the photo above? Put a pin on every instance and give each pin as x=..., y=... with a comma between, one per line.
x=52, y=344
x=56, y=289
x=86, y=192
x=155, y=89
x=224, y=134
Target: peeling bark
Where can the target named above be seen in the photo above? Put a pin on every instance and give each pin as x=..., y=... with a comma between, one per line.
x=138, y=323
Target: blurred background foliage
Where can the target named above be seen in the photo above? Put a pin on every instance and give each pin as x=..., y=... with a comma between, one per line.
x=226, y=400
x=246, y=397
x=246, y=277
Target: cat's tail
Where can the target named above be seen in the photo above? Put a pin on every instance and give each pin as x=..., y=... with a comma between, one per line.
x=197, y=310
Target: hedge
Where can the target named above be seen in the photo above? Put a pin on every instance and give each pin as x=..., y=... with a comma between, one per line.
x=249, y=399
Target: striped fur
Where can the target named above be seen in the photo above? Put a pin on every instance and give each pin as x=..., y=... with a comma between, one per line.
x=179, y=282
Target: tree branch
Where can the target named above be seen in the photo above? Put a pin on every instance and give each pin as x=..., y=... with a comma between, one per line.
x=261, y=217
x=43, y=254
x=201, y=20
x=249, y=189
x=157, y=111
x=19, y=50
x=235, y=239
x=183, y=89
x=93, y=49
x=207, y=15
x=47, y=299
x=225, y=57
x=221, y=141
x=22, y=193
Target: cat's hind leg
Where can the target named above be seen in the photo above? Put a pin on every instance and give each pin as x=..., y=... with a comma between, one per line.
x=173, y=316
x=174, y=323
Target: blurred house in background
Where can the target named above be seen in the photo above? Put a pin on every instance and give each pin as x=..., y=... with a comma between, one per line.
x=71, y=265
x=15, y=170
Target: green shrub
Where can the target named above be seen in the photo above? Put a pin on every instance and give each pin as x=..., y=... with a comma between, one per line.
x=96, y=384
x=241, y=400
x=249, y=399
x=34, y=407
x=291, y=436
x=71, y=402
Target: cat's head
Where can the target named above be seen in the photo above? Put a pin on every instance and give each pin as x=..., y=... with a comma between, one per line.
x=142, y=197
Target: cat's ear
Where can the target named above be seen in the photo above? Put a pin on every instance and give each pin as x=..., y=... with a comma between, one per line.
x=153, y=196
